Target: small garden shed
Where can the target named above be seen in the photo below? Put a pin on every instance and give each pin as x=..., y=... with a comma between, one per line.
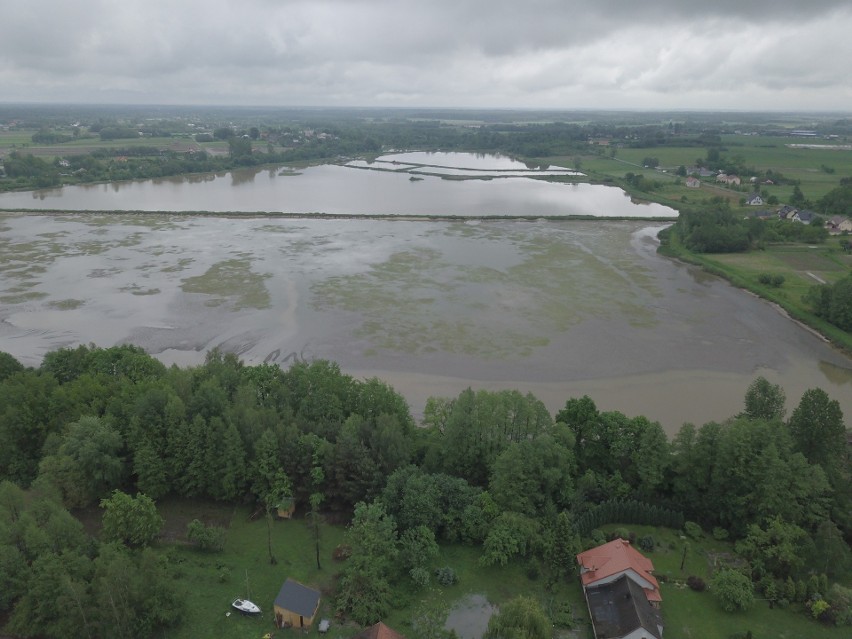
x=296, y=605
x=285, y=508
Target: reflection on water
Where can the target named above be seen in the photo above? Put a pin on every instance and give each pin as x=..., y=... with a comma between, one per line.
x=836, y=374
x=341, y=190
x=469, y=616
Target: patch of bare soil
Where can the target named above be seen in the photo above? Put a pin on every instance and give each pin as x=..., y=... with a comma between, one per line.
x=177, y=514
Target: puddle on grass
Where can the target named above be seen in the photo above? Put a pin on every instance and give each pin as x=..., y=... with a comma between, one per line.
x=469, y=616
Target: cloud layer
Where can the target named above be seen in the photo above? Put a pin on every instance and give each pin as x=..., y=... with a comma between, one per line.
x=781, y=55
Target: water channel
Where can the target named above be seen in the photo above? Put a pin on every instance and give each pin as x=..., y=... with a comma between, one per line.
x=557, y=308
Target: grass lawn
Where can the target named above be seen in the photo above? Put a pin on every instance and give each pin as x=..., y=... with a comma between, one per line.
x=802, y=266
x=212, y=580
x=696, y=615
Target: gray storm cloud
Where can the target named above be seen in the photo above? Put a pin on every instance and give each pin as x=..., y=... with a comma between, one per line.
x=494, y=53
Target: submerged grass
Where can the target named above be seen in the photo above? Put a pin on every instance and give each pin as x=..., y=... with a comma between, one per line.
x=231, y=281
x=491, y=291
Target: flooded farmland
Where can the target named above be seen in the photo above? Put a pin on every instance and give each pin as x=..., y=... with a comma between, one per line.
x=557, y=308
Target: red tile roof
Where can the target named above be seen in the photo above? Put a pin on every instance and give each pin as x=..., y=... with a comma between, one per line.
x=379, y=631
x=614, y=558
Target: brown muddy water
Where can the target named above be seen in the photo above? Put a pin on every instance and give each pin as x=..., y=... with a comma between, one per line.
x=559, y=309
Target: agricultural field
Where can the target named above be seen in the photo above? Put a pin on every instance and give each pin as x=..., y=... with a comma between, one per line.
x=818, y=170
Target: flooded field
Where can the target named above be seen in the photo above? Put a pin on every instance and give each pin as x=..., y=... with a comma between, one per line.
x=560, y=309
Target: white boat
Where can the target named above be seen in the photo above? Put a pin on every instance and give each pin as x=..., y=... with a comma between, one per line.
x=246, y=607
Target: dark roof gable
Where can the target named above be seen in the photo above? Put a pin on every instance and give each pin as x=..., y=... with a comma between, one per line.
x=620, y=607
x=297, y=598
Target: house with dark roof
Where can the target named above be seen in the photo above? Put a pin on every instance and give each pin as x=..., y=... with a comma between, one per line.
x=296, y=605
x=620, y=610
x=622, y=593
x=379, y=631
x=754, y=200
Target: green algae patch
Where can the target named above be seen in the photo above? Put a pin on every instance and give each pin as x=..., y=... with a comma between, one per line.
x=20, y=298
x=66, y=305
x=231, y=282
x=415, y=302
x=135, y=289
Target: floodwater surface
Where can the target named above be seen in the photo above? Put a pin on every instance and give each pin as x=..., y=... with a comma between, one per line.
x=557, y=308
x=355, y=189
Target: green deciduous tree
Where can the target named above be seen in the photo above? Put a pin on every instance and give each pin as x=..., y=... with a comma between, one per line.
x=764, y=400
x=9, y=366
x=817, y=428
x=417, y=550
x=732, y=589
x=363, y=589
x=87, y=463
x=510, y=535
x=519, y=618
x=533, y=477
x=133, y=521
x=776, y=548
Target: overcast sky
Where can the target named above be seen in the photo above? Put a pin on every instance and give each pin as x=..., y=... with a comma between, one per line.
x=564, y=54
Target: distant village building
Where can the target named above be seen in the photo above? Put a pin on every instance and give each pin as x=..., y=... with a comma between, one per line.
x=693, y=182
x=754, y=200
x=839, y=224
x=792, y=214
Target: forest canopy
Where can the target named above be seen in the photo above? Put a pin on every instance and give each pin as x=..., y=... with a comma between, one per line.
x=493, y=470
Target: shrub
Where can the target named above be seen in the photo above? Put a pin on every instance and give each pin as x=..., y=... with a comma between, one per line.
x=819, y=608
x=693, y=530
x=211, y=538
x=446, y=576
x=720, y=534
x=647, y=543
x=420, y=576
x=342, y=552
x=696, y=583
x=533, y=570
x=622, y=533
x=598, y=537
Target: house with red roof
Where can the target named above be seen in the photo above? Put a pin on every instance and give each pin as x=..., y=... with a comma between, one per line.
x=379, y=631
x=604, y=564
x=622, y=593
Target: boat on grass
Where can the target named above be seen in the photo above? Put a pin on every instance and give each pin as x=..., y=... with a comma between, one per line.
x=246, y=607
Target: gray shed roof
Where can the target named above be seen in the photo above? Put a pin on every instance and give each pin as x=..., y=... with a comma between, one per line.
x=297, y=598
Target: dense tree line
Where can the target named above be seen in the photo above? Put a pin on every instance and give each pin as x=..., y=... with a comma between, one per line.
x=491, y=469
x=718, y=229
x=833, y=302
